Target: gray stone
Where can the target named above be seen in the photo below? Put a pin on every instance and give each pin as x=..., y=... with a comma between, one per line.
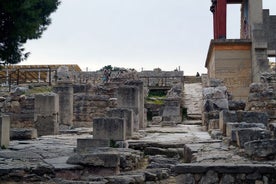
x=46, y=125
x=252, y=117
x=171, y=111
x=46, y=104
x=156, y=120
x=185, y=179
x=4, y=131
x=272, y=128
x=231, y=128
x=210, y=178
x=23, y=133
x=215, y=82
x=102, y=159
x=251, y=134
x=261, y=149
x=109, y=128
x=228, y=179
x=213, y=124
x=126, y=114
x=226, y=116
x=128, y=97
x=216, y=134
x=236, y=105
x=160, y=151
x=65, y=92
x=86, y=143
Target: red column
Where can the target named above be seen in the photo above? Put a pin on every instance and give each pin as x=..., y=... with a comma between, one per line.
x=220, y=16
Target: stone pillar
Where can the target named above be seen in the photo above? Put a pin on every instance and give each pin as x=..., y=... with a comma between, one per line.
x=65, y=92
x=109, y=128
x=140, y=85
x=128, y=97
x=126, y=114
x=171, y=110
x=4, y=131
x=46, y=116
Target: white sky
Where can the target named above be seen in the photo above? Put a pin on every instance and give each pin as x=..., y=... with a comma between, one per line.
x=132, y=34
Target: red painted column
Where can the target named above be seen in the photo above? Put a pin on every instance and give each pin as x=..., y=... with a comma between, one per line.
x=221, y=12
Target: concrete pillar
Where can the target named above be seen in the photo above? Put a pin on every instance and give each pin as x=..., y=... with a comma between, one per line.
x=255, y=10
x=65, y=92
x=4, y=131
x=126, y=114
x=128, y=97
x=46, y=115
x=109, y=128
x=140, y=85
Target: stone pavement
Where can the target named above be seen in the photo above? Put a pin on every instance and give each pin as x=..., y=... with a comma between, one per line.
x=40, y=159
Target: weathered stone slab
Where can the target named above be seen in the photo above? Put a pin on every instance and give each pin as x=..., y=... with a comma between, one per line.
x=272, y=128
x=231, y=128
x=171, y=111
x=95, y=159
x=226, y=116
x=46, y=104
x=23, y=133
x=47, y=125
x=4, y=131
x=86, y=143
x=235, y=105
x=109, y=128
x=251, y=134
x=128, y=97
x=252, y=117
x=223, y=168
x=261, y=149
x=156, y=120
x=213, y=124
x=126, y=114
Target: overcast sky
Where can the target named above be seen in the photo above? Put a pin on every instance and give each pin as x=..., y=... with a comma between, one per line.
x=132, y=33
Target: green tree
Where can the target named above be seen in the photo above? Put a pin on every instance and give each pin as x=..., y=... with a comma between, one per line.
x=22, y=20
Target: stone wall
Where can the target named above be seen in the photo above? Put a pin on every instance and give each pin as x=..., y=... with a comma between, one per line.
x=270, y=29
x=230, y=61
x=224, y=173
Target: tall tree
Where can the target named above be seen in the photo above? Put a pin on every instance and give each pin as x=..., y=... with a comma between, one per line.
x=22, y=20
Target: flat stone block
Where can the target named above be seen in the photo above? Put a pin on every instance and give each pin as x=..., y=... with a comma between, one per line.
x=23, y=133
x=213, y=124
x=226, y=116
x=223, y=168
x=104, y=159
x=4, y=131
x=251, y=134
x=261, y=149
x=47, y=125
x=252, y=117
x=86, y=143
x=126, y=114
x=109, y=128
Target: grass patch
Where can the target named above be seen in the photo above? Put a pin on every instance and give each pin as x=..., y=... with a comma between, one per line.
x=40, y=89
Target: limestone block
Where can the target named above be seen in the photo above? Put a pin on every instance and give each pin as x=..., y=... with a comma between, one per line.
x=235, y=105
x=23, y=133
x=226, y=116
x=128, y=97
x=46, y=104
x=156, y=120
x=232, y=127
x=109, y=128
x=213, y=124
x=4, y=131
x=252, y=117
x=126, y=114
x=261, y=148
x=272, y=128
x=86, y=143
x=251, y=134
x=47, y=125
x=98, y=159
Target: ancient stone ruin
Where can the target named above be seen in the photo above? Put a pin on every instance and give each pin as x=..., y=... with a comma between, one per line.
x=150, y=127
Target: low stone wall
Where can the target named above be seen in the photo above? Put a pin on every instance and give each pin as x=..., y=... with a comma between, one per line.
x=224, y=173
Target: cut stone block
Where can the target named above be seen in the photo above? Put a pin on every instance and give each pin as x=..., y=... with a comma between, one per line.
x=126, y=114
x=23, y=133
x=226, y=116
x=4, y=131
x=251, y=134
x=252, y=117
x=46, y=104
x=231, y=128
x=47, y=125
x=213, y=124
x=128, y=97
x=261, y=148
x=156, y=120
x=86, y=143
x=109, y=128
